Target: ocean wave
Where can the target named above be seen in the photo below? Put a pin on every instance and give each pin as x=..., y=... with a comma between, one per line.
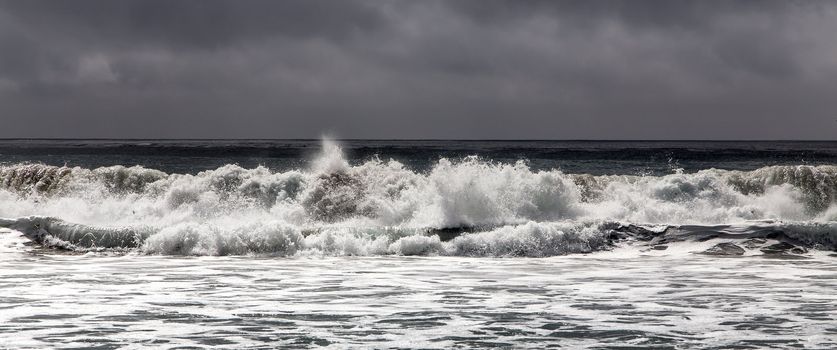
x=531, y=239
x=379, y=197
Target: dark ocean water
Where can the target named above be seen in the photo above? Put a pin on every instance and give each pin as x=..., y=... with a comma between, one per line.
x=591, y=157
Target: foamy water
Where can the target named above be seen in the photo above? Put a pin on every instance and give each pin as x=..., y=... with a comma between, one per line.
x=463, y=251
x=610, y=299
x=382, y=207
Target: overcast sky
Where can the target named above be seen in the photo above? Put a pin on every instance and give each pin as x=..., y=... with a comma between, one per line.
x=419, y=69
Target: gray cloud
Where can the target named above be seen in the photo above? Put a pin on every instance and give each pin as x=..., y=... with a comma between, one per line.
x=419, y=69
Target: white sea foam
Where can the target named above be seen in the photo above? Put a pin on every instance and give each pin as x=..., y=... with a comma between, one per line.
x=381, y=207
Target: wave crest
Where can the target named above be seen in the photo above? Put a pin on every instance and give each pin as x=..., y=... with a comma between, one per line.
x=380, y=197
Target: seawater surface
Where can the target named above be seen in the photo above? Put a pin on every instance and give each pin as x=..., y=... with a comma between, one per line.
x=417, y=244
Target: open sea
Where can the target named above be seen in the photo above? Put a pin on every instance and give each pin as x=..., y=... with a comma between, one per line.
x=245, y=244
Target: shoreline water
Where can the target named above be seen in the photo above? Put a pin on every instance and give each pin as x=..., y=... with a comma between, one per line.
x=606, y=300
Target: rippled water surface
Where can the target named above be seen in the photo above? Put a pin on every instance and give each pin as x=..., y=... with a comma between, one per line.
x=601, y=300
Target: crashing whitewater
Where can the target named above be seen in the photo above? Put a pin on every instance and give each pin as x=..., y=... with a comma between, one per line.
x=466, y=207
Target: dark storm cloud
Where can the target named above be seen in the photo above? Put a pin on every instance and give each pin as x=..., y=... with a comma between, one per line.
x=197, y=23
x=419, y=69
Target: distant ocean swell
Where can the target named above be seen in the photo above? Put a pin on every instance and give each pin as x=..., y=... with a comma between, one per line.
x=464, y=207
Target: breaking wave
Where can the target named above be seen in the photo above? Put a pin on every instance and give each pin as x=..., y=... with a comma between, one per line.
x=383, y=207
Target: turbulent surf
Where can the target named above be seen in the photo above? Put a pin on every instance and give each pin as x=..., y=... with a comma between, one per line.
x=417, y=244
x=464, y=206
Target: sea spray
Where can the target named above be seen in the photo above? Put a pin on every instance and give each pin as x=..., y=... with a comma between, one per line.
x=337, y=208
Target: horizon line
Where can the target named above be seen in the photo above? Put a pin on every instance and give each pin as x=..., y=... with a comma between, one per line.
x=404, y=139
